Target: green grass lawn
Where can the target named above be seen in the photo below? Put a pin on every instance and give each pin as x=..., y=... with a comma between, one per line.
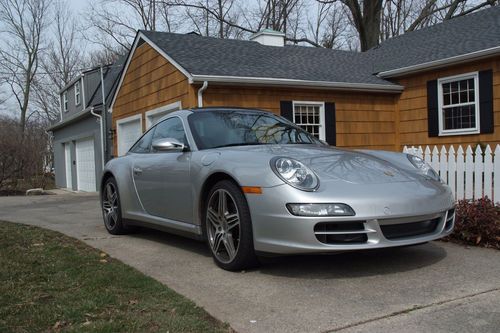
x=50, y=282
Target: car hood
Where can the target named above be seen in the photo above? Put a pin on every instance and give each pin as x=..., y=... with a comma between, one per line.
x=333, y=163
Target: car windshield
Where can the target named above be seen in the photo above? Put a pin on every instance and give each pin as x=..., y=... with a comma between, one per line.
x=225, y=128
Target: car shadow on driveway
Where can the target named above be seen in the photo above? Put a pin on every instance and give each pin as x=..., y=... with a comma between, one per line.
x=180, y=242
x=355, y=264
x=326, y=266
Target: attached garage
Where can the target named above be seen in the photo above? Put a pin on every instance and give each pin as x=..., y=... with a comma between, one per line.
x=128, y=130
x=85, y=165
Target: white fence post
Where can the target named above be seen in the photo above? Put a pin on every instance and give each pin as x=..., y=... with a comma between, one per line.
x=488, y=173
x=443, y=164
x=460, y=173
x=496, y=174
x=452, y=171
x=469, y=171
x=478, y=173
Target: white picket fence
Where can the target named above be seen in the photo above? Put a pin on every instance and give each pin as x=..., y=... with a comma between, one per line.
x=470, y=174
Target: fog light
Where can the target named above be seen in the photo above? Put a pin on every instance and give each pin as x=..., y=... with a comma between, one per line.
x=327, y=209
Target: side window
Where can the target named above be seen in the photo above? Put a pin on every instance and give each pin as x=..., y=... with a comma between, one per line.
x=170, y=128
x=143, y=145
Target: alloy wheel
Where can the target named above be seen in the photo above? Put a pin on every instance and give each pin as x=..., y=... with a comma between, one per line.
x=223, y=225
x=110, y=205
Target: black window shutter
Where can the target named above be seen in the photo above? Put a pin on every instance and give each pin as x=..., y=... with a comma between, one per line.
x=286, y=110
x=330, y=124
x=486, y=101
x=432, y=108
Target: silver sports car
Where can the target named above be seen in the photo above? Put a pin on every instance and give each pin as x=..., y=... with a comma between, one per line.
x=250, y=182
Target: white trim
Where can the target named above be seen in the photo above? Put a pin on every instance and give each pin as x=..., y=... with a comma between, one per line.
x=440, y=63
x=78, y=100
x=166, y=109
x=65, y=101
x=465, y=76
x=122, y=121
x=68, y=165
x=322, y=124
x=61, y=107
x=299, y=83
x=140, y=36
x=83, y=92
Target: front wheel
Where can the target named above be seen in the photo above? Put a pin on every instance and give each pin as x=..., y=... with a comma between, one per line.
x=229, y=227
x=111, y=209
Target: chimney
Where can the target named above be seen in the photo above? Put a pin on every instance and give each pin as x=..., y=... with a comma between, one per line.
x=269, y=37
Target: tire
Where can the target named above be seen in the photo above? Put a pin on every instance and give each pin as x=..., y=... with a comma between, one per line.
x=227, y=224
x=111, y=208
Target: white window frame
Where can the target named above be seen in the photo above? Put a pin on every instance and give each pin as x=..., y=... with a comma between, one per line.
x=78, y=100
x=65, y=101
x=322, y=133
x=165, y=109
x=460, y=131
x=122, y=121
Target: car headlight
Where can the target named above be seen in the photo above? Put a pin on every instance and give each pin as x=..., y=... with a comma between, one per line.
x=320, y=209
x=423, y=167
x=295, y=173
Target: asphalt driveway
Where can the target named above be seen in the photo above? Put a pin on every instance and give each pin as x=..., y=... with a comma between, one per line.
x=438, y=287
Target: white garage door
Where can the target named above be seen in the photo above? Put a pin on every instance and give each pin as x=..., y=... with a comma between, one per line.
x=85, y=165
x=128, y=131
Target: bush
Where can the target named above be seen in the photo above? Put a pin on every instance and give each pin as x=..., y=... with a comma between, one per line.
x=23, y=156
x=477, y=222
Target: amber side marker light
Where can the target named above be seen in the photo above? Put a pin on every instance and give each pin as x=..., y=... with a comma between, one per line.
x=252, y=189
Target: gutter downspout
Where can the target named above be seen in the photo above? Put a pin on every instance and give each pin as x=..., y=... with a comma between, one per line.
x=102, y=141
x=104, y=119
x=200, y=93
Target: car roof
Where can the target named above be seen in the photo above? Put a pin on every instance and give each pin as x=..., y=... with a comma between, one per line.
x=228, y=108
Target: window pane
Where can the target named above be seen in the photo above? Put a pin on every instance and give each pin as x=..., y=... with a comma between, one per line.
x=143, y=145
x=170, y=128
x=460, y=117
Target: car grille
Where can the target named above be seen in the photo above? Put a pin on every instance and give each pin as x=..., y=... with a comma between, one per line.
x=404, y=230
x=340, y=232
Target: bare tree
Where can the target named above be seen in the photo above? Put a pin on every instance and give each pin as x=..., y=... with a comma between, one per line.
x=379, y=19
x=62, y=61
x=22, y=24
x=115, y=22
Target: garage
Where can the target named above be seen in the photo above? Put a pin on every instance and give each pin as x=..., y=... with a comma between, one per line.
x=128, y=131
x=85, y=165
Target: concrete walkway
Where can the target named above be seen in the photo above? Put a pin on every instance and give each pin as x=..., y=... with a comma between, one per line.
x=436, y=287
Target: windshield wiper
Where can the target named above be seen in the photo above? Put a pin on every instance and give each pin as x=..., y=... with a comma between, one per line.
x=240, y=144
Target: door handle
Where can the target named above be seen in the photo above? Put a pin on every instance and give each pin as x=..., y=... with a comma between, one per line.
x=137, y=171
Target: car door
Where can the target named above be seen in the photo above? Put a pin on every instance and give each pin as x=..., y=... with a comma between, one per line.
x=162, y=178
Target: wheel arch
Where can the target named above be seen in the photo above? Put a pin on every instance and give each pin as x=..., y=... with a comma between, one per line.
x=106, y=175
x=207, y=185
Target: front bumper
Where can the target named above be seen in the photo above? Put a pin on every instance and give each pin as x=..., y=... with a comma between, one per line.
x=388, y=215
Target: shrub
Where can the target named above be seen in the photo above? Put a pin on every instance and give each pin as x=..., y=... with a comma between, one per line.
x=477, y=222
x=23, y=156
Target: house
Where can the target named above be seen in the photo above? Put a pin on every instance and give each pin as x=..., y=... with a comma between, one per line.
x=436, y=86
x=81, y=140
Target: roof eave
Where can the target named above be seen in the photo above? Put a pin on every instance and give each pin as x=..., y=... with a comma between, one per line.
x=456, y=60
x=293, y=83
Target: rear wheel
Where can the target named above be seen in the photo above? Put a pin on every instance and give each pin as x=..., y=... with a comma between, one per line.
x=229, y=227
x=111, y=208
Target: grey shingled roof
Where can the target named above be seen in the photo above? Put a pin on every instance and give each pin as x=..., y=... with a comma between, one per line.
x=228, y=57
x=111, y=76
x=455, y=37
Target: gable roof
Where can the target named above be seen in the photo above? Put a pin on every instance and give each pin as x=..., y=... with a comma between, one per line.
x=229, y=61
x=459, y=39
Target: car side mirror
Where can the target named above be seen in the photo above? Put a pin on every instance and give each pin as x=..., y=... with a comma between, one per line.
x=169, y=144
